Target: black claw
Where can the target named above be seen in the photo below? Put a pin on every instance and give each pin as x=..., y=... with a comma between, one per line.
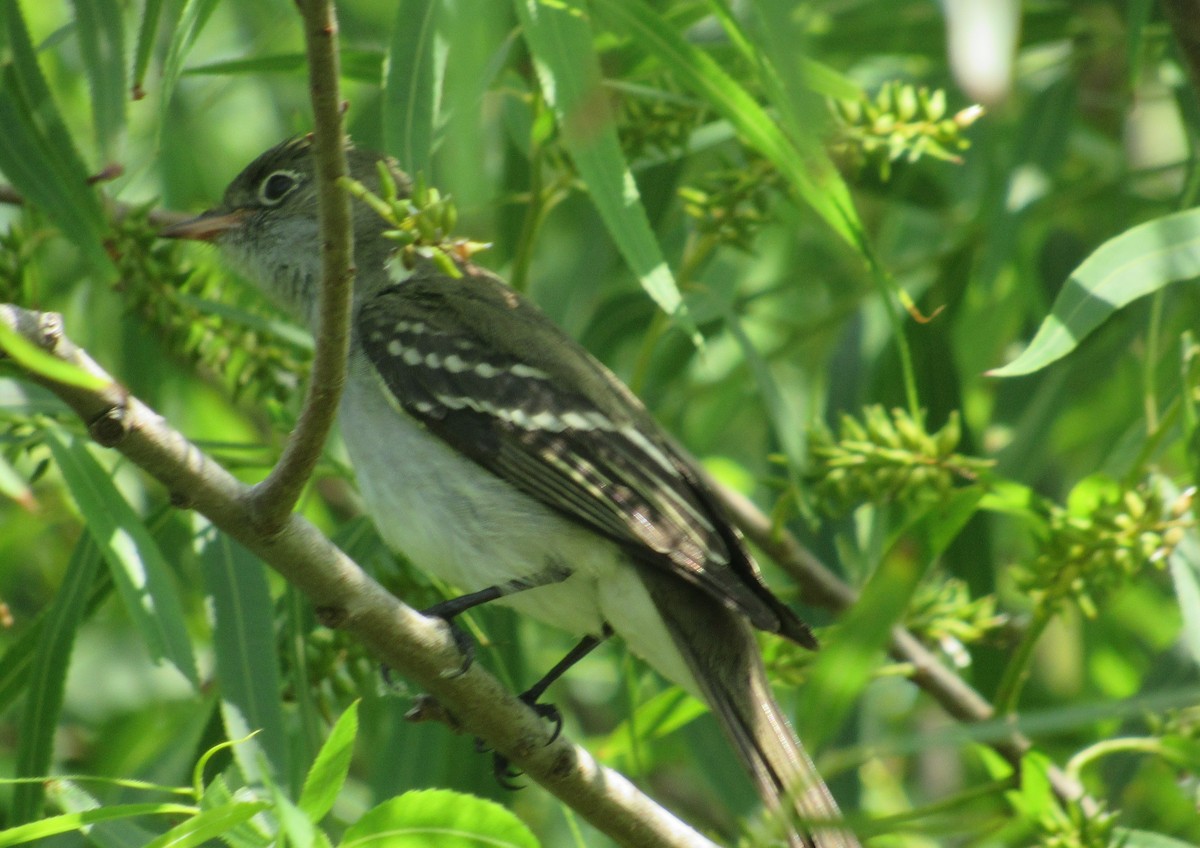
x=465, y=645
x=462, y=640
x=547, y=711
x=505, y=773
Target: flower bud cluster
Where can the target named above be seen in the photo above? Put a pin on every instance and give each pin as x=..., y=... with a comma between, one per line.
x=1091, y=549
x=885, y=458
x=901, y=122
x=422, y=222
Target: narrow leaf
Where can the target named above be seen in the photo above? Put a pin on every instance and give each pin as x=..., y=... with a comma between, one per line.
x=138, y=568
x=37, y=153
x=244, y=647
x=358, y=65
x=37, y=361
x=1185, y=574
x=569, y=72
x=208, y=825
x=410, y=85
x=328, y=773
x=17, y=664
x=101, y=33
x=1138, y=262
x=845, y=665
x=809, y=172
x=185, y=27
x=147, y=36
x=47, y=827
x=47, y=679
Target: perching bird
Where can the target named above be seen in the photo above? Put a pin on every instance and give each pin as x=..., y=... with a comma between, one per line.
x=494, y=451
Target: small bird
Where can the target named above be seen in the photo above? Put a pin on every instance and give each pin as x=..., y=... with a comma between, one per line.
x=499, y=455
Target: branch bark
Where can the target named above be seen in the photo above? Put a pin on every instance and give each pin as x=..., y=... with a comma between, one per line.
x=347, y=598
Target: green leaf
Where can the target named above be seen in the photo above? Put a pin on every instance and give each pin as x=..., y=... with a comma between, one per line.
x=14, y=487
x=208, y=825
x=254, y=833
x=823, y=79
x=17, y=664
x=808, y=170
x=411, y=84
x=37, y=361
x=47, y=680
x=1138, y=262
x=1185, y=574
x=786, y=419
x=147, y=35
x=141, y=574
x=328, y=773
x=666, y=712
x=244, y=647
x=847, y=662
x=185, y=26
x=438, y=817
x=1131, y=838
x=359, y=65
x=569, y=72
x=37, y=153
x=99, y=26
x=68, y=796
x=53, y=825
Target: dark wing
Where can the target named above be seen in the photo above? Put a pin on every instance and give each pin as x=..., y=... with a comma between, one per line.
x=526, y=402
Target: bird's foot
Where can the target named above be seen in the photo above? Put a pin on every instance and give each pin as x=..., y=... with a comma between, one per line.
x=505, y=772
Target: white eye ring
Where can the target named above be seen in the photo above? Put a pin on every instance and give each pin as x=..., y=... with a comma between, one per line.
x=276, y=186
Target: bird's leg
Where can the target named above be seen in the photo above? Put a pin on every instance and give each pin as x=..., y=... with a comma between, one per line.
x=500, y=765
x=448, y=610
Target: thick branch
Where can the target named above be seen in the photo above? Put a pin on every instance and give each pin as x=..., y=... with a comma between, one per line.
x=275, y=497
x=346, y=597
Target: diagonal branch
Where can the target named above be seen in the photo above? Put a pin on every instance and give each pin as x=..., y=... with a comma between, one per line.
x=346, y=597
x=275, y=497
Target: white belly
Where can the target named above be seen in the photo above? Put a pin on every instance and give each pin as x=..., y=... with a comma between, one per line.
x=460, y=523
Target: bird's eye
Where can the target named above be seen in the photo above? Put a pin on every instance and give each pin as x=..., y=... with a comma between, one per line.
x=276, y=186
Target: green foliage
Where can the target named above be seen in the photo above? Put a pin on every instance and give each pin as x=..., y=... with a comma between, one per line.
x=264, y=816
x=237, y=337
x=795, y=187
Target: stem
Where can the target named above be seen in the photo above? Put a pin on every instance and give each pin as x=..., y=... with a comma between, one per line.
x=1137, y=744
x=1150, y=363
x=276, y=496
x=1017, y=670
x=534, y=211
x=888, y=295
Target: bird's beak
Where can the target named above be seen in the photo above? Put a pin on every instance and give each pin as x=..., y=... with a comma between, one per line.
x=206, y=227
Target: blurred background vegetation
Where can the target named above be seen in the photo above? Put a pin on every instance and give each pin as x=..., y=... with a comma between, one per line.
x=864, y=206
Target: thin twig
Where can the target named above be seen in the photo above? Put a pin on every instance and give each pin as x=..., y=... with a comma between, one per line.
x=276, y=496
x=345, y=597
x=155, y=217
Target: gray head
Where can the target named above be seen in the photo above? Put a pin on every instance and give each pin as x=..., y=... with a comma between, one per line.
x=266, y=224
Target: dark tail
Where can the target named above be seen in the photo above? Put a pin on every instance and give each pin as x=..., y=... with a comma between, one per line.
x=719, y=648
